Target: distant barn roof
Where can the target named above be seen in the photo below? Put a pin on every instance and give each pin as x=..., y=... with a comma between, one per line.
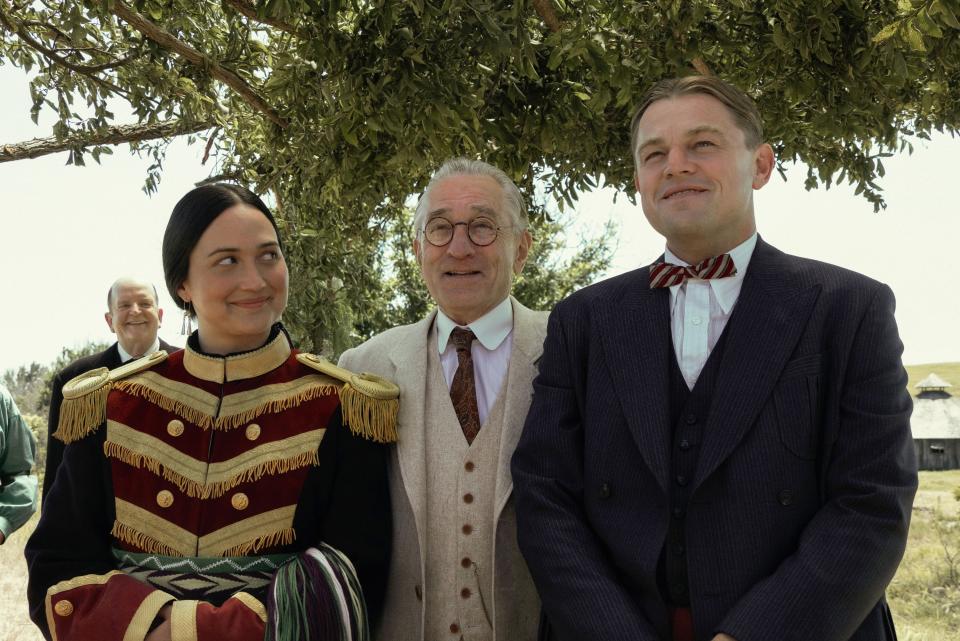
x=932, y=381
x=936, y=418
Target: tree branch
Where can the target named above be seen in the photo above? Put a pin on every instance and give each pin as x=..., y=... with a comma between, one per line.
x=249, y=10
x=214, y=68
x=701, y=66
x=116, y=135
x=548, y=13
x=55, y=57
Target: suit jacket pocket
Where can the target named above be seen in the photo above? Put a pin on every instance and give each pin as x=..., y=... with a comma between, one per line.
x=796, y=400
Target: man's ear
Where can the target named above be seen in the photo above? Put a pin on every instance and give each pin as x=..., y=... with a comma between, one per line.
x=523, y=251
x=160, y=314
x=763, y=163
x=416, y=251
x=109, y=318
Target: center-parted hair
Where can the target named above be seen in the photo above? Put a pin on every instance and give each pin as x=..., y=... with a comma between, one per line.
x=513, y=201
x=191, y=217
x=740, y=105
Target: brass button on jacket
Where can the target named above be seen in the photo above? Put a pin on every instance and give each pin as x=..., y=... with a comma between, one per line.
x=63, y=608
x=164, y=498
x=253, y=432
x=239, y=501
x=175, y=427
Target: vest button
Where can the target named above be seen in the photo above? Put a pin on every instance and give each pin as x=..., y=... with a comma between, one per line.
x=691, y=419
x=465, y=593
x=468, y=466
x=175, y=428
x=164, y=498
x=605, y=490
x=678, y=589
x=468, y=498
x=454, y=628
x=678, y=513
x=681, y=480
x=253, y=432
x=678, y=549
x=684, y=445
x=467, y=528
x=465, y=562
x=63, y=608
x=785, y=497
x=239, y=501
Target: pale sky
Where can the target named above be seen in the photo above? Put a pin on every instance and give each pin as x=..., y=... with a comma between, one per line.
x=70, y=231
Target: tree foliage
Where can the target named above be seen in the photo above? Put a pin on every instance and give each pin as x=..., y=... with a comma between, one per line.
x=30, y=384
x=342, y=108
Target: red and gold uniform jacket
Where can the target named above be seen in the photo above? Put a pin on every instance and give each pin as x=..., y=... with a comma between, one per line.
x=190, y=463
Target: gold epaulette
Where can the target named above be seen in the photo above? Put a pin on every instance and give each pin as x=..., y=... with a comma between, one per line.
x=84, y=406
x=369, y=402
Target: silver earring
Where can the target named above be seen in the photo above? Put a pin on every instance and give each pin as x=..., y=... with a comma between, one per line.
x=186, y=325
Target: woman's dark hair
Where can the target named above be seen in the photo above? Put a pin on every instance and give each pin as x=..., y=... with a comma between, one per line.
x=190, y=218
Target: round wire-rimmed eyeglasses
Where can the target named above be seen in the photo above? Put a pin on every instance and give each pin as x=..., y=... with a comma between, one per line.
x=481, y=231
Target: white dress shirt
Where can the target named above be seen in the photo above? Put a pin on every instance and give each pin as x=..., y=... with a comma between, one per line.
x=491, y=352
x=125, y=356
x=700, y=309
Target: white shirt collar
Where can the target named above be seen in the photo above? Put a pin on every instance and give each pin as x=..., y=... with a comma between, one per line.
x=490, y=329
x=125, y=356
x=725, y=289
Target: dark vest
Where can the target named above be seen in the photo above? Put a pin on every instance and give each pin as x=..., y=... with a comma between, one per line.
x=689, y=410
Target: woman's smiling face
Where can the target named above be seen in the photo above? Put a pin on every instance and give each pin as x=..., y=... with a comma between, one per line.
x=237, y=282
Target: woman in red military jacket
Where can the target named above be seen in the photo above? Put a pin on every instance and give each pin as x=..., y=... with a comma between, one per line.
x=235, y=489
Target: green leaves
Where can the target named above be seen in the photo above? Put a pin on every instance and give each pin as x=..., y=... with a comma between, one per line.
x=377, y=94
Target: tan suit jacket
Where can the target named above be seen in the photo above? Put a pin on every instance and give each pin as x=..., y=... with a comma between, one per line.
x=400, y=354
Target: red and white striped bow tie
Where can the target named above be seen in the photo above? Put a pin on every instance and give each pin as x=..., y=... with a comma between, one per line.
x=668, y=274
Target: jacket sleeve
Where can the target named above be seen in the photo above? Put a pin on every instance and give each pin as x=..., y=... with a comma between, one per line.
x=357, y=520
x=578, y=585
x=54, y=445
x=73, y=588
x=18, y=487
x=850, y=550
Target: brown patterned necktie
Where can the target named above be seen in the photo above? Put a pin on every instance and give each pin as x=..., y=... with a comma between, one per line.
x=668, y=274
x=463, y=390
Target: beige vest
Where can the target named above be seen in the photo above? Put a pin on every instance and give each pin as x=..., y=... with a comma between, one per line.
x=461, y=481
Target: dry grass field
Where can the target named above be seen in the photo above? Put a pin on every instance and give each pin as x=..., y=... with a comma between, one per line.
x=15, y=624
x=924, y=596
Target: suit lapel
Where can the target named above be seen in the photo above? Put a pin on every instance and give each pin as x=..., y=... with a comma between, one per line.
x=409, y=358
x=768, y=320
x=528, y=334
x=636, y=340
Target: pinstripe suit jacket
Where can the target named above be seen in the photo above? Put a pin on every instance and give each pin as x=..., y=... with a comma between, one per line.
x=801, y=500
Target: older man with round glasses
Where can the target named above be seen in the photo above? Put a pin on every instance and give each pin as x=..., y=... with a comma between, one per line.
x=465, y=374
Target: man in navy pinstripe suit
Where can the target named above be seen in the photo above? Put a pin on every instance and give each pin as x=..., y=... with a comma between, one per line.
x=718, y=447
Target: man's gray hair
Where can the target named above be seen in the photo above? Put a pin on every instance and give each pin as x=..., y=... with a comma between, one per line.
x=513, y=201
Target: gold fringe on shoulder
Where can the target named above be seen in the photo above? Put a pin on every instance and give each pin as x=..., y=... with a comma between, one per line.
x=285, y=536
x=369, y=402
x=194, y=489
x=84, y=406
x=371, y=418
x=145, y=542
x=83, y=412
